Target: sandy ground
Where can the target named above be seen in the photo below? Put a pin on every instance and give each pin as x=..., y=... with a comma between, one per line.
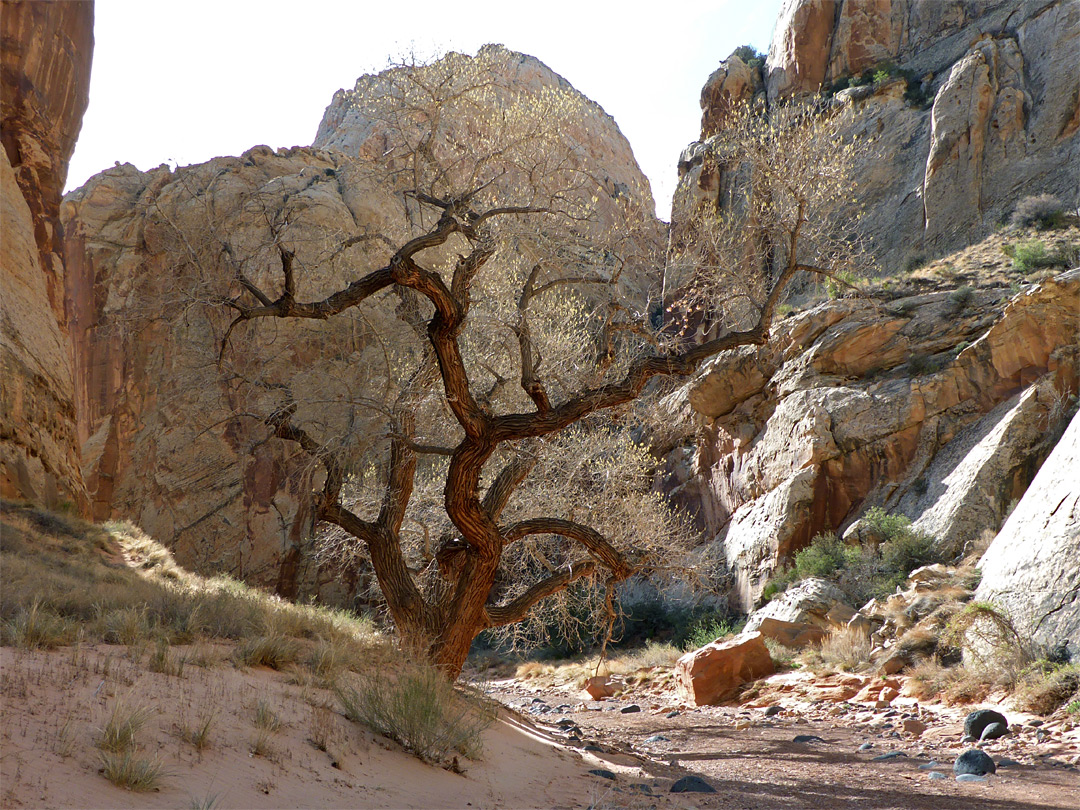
x=53, y=705
x=753, y=762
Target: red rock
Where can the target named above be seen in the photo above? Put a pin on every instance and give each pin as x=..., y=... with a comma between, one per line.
x=914, y=727
x=714, y=672
x=600, y=687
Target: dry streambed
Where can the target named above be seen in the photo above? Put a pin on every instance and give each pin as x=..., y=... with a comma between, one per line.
x=801, y=745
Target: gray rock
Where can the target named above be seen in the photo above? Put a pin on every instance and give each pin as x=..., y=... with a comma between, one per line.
x=672, y=714
x=976, y=722
x=807, y=738
x=974, y=761
x=602, y=773
x=970, y=777
x=936, y=775
x=890, y=755
x=866, y=746
x=692, y=784
x=1005, y=762
x=656, y=738
x=633, y=707
x=993, y=731
x=929, y=765
x=773, y=710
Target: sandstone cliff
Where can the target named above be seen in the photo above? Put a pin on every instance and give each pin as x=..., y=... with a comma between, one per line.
x=45, y=78
x=935, y=406
x=1030, y=570
x=169, y=440
x=977, y=105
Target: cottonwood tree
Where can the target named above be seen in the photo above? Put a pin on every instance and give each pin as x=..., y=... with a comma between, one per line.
x=501, y=328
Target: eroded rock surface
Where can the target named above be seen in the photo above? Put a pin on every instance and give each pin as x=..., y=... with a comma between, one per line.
x=45, y=70
x=714, y=672
x=1030, y=569
x=987, y=112
x=935, y=406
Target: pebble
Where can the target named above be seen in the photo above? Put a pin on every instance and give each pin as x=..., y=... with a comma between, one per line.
x=807, y=738
x=970, y=777
x=993, y=731
x=1005, y=762
x=594, y=748
x=890, y=755
x=772, y=710
x=936, y=775
x=603, y=773
x=656, y=738
x=670, y=715
x=633, y=707
x=692, y=784
x=866, y=746
x=929, y=765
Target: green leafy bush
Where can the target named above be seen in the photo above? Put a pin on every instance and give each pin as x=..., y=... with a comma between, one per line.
x=862, y=572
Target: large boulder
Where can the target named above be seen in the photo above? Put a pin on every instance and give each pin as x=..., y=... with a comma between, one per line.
x=714, y=673
x=1031, y=568
x=813, y=602
x=44, y=79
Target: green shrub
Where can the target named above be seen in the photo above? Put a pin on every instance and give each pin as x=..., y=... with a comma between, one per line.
x=749, y=54
x=421, y=710
x=881, y=75
x=709, y=629
x=862, y=572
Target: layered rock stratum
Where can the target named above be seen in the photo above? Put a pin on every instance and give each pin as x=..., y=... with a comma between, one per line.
x=44, y=78
x=166, y=439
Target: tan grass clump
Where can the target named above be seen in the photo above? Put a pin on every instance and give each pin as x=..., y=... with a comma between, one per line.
x=844, y=650
x=421, y=710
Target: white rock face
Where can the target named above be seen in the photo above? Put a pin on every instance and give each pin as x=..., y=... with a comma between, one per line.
x=1031, y=569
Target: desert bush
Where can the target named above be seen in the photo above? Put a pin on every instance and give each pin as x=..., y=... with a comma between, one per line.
x=272, y=651
x=199, y=734
x=1046, y=686
x=749, y=54
x=1044, y=212
x=710, y=628
x=420, y=710
x=38, y=626
x=265, y=717
x=914, y=262
x=961, y=296
x=862, y=572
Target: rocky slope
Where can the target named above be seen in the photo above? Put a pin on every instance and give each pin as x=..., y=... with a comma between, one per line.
x=166, y=440
x=44, y=78
x=977, y=107
x=936, y=406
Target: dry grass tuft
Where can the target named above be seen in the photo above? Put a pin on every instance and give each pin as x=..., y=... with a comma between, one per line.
x=118, y=733
x=845, y=650
x=128, y=770
x=421, y=710
x=1043, y=689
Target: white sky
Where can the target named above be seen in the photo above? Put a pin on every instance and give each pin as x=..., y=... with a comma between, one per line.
x=188, y=80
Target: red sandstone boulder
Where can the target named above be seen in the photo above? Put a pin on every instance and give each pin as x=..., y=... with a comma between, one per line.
x=714, y=672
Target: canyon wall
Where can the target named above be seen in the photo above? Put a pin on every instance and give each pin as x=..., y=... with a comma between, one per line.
x=978, y=106
x=170, y=441
x=44, y=79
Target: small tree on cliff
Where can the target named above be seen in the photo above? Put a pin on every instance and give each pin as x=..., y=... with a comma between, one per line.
x=475, y=478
